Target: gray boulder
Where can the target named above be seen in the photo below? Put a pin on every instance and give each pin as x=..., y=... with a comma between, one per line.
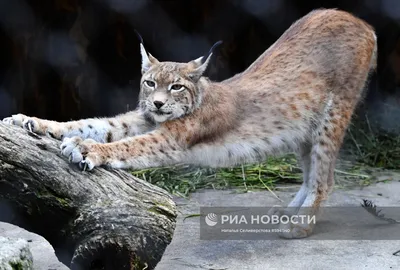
x=15, y=254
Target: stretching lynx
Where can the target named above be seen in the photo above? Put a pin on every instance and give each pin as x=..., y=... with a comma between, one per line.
x=299, y=95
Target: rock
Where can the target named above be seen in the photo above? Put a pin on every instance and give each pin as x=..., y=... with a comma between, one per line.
x=42, y=252
x=44, y=257
x=15, y=254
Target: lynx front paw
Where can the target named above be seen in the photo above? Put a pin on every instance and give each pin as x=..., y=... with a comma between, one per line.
x=22, y=121
x=8, y=121
x=82, y=152
x=35, y=125
x=28, y=123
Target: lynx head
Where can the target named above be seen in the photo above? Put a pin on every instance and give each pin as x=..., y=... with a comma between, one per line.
x=170, y=90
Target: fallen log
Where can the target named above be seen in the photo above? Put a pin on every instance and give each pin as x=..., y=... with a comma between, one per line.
x=103, y=219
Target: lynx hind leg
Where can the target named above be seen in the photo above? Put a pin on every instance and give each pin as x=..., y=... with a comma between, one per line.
x=295, y=204
x=326, y=144
x=331, y=176
x=305, y=159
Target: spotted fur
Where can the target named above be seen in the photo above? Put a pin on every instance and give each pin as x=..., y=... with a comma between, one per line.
x=299, y=95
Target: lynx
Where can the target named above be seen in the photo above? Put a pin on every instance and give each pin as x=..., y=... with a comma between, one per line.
x=298, y=96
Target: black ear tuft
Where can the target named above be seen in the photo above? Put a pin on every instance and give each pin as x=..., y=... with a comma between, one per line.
x=139, y=36
x=216, y=44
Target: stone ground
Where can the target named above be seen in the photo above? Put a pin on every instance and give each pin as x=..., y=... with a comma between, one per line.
x=187, y=251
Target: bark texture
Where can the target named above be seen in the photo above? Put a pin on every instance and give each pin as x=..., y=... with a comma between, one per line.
x=103, y=219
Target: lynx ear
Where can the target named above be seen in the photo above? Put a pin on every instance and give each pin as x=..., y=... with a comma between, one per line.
x=200, y=64
x=147, y=59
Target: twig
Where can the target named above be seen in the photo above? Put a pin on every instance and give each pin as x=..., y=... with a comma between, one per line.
x=244, y=177
x=369, y=126
x=355, y=143
x=352, y=174
x=267, y=187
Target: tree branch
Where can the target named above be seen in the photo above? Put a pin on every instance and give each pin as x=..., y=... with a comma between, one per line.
x=103, y=219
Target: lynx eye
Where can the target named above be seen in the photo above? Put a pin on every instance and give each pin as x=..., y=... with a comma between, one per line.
x=150, y=84
x=177, y=87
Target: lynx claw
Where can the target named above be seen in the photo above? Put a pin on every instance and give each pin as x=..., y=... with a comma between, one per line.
x=28, y=125
x=83, y=165
x=86, y=165
x=79, y=151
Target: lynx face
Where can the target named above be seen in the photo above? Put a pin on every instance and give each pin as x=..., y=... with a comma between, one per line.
x=169, y=91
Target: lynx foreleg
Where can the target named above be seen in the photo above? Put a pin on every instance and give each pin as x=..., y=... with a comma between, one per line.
x=98, y=129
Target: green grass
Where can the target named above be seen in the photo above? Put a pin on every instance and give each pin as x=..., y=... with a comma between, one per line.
x=373, y=147
x=182, y=180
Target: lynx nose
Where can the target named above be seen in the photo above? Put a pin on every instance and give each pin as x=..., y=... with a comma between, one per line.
x=158, y=104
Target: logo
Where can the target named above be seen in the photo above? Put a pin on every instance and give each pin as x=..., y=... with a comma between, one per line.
x=211, y=219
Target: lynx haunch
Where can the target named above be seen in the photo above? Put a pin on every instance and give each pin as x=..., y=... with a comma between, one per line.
x=299, y=95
